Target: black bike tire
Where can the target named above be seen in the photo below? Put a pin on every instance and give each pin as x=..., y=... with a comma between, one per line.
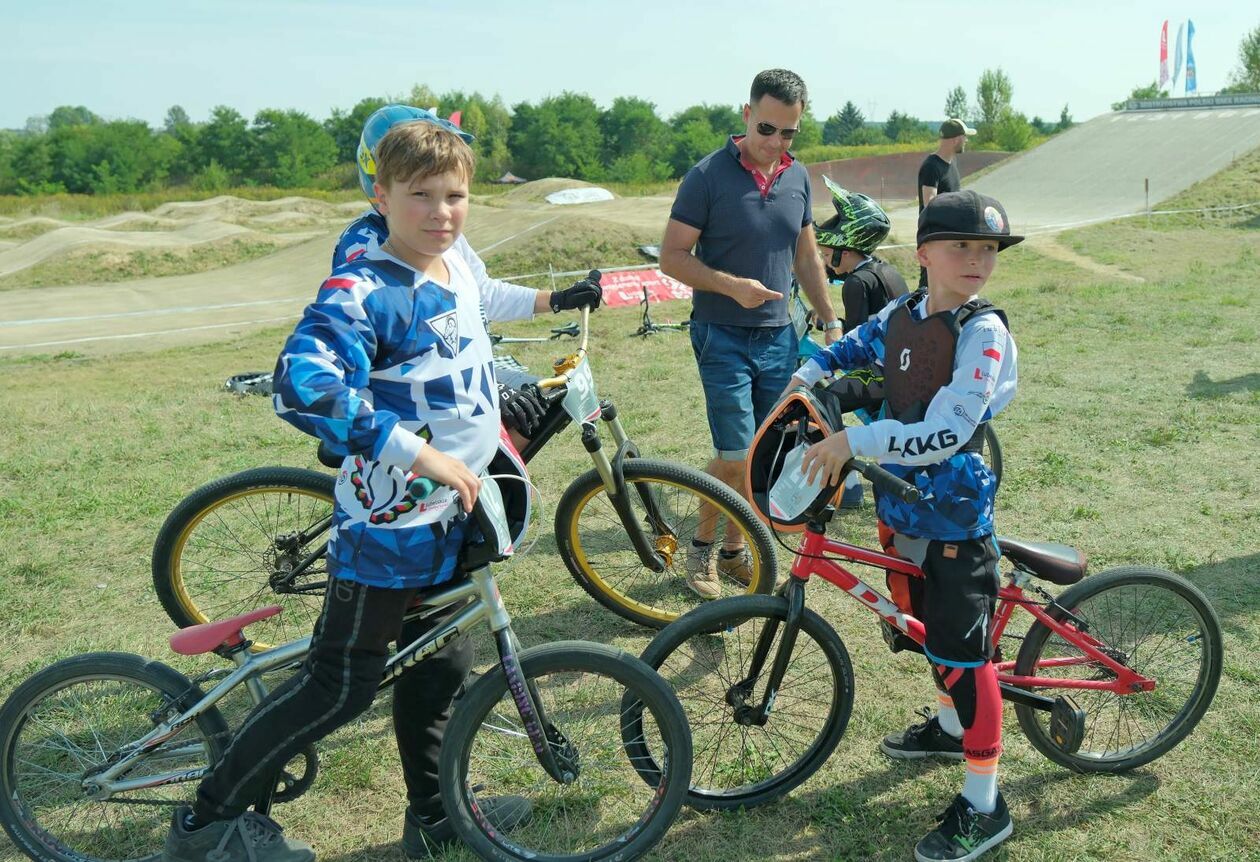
x=717, y=616
x=993, y=453
x=99, y=665
x=629, y=672
x=589, y=485
x=171, y=538
x=1190, y=714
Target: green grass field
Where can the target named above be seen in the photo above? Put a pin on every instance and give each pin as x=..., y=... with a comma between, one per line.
x=1133, y=437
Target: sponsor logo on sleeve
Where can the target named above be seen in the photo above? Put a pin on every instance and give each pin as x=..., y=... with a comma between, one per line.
x=914, y=446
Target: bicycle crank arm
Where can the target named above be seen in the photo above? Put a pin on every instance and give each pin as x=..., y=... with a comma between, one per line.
x=1024, y=697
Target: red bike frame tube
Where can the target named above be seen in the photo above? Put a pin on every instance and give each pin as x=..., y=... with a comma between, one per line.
x=810, y=561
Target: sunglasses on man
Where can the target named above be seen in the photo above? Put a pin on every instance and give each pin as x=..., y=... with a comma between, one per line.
x=766, y=130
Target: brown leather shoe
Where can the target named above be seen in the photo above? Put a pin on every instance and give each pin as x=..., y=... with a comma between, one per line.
x=702, y=571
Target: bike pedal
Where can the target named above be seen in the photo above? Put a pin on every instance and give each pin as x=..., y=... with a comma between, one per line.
x=1067, y=724
x=896, y=640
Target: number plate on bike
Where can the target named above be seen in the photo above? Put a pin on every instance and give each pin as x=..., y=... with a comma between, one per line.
x=799, y=313
x=581, y=401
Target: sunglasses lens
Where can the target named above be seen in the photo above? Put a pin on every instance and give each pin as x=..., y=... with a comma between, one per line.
x=788, y=134
x=766, y=129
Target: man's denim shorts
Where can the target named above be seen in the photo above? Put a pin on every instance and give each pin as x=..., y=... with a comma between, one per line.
x=743, y=371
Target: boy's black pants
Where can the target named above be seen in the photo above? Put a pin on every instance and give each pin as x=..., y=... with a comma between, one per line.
x=338, y=682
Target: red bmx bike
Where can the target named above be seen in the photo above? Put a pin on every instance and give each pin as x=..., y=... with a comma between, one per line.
x=1108, y=675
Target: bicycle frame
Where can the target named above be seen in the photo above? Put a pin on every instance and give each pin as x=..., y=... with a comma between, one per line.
x=808, y=562
x=484, y=604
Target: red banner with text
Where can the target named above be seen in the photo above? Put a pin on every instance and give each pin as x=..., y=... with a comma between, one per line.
x=626, y=288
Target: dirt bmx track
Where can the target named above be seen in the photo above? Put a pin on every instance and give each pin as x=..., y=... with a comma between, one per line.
x=1095, y=171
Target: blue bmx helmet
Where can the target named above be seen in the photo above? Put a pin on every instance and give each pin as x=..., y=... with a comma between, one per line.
x=376, y=127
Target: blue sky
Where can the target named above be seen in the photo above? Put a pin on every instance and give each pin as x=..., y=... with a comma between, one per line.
x=136, y=58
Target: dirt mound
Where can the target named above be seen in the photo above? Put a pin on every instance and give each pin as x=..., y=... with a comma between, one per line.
x=63, y=240
x=572, y=242
x=172, y=226
x=229, y=206
x=536, y=191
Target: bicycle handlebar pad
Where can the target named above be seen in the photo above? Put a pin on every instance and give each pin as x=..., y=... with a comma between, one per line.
x=887, y=482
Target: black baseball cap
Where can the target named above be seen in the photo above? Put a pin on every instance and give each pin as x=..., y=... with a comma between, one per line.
x=965, y=215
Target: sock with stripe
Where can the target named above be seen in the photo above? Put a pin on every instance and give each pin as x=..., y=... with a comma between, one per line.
x=947, y=715
x=980, y=785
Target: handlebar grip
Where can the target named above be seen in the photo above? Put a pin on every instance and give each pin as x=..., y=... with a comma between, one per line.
x=421, y=487
x=887, y=482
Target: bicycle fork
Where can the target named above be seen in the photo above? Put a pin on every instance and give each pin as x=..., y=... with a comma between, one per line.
x=737, y=695
x=558, y=757
x=613, y=476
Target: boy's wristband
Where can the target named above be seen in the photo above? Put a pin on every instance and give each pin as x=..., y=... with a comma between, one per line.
x=833, y=324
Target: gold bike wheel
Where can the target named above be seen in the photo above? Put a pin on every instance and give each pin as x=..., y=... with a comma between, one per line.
x=598, y=552
x=226, y=549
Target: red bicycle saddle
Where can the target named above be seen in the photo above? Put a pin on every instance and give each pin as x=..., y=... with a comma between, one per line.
x=1050, y=561
x=208, y=637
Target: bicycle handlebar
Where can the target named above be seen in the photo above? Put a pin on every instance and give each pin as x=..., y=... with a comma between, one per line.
x=421, y=487
x=562, y=379
x=887, y=482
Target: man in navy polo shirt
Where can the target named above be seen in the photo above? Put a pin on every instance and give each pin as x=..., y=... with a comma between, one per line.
x=740, y=226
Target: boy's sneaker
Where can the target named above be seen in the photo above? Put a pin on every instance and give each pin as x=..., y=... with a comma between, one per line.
x=963, y=834
x=925, y=739
x=423, y=836
x=252, y=837
x=702, y=572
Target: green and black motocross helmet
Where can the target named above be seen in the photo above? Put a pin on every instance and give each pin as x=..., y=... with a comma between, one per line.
x=859, y=223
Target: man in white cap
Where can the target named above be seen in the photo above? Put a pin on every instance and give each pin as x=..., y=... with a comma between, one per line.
x=939, y=172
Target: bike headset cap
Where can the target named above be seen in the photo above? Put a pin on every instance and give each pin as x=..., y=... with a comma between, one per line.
x=801, y=416
x=859, y=224
x=378, y=125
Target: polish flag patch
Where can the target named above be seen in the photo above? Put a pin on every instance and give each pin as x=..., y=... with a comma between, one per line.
x=992, y=354
x=340, y=283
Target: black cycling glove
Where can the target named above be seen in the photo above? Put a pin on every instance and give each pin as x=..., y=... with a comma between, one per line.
x=522, y=409
x=582, y=293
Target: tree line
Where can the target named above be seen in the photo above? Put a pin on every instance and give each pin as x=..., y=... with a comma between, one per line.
x=74, y=150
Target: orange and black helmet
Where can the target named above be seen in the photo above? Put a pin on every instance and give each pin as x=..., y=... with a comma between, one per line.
x=800, y=417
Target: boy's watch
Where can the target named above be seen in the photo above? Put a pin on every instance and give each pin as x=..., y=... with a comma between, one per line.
x=833, y=324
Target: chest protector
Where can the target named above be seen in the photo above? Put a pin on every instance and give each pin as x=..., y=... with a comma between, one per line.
x=919, y=358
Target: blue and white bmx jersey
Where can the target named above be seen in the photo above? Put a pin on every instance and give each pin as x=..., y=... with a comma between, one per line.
x=958, y=488
x=385, y=362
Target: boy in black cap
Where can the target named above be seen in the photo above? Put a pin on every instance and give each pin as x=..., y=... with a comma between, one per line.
x=949, y=366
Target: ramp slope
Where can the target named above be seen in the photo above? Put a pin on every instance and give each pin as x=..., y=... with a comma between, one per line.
x=1098, y=169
